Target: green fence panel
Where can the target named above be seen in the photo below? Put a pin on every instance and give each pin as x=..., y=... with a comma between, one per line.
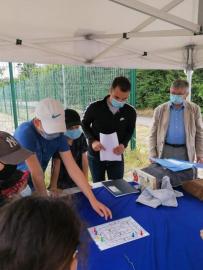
x=75, y=87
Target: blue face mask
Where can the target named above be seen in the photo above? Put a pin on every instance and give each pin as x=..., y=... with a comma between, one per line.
x=117, y=104
x=176, y=99
x=49, y=137
x=73, y=133
x=26, y=192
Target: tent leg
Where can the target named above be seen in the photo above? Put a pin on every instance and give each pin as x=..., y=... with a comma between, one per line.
x=189, y=78
x=13, y=95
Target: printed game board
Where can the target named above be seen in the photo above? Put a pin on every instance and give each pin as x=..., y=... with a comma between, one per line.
x=116, y=233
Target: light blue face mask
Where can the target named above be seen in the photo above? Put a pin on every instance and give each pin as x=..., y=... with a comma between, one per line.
x=26, y=192
x=73, y=133
x=176, y=99
x=49, y=137
x=117, y=104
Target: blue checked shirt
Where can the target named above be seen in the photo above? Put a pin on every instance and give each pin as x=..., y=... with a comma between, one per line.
x=176, y=128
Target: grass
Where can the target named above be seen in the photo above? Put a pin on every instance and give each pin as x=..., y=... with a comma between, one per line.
x=145, y=112
x=137, y=158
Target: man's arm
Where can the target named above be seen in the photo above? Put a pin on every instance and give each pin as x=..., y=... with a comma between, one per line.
x=199, y=135
x=86, y=126
x=36, y=174
x=87, y=121
x=153, y=136
x=80, y=180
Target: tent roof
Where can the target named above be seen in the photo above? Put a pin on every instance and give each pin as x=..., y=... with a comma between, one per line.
x=123, y=33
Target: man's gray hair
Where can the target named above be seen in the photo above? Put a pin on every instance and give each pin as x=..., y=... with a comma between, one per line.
x=180, y=84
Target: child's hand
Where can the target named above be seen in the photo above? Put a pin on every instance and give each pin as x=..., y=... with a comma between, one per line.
x=55, y=192
x=201, y=234
x=101, y=209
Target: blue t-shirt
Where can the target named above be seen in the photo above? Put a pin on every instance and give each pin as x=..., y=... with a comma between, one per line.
x=27, y=135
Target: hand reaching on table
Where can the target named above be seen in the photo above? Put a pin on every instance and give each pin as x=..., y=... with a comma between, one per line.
x=101, y=209
x=55, y=192
x=201, y=234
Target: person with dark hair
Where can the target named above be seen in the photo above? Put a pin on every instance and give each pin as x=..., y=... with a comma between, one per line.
x=112, y=114
x=177, y=130
x=38, y=233
x=78, y=146
x=12, y=181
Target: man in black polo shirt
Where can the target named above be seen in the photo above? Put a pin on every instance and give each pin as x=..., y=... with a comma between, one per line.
x=106, y=116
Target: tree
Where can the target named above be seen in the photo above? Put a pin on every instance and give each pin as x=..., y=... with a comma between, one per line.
x=26, y=70
x=153, y=86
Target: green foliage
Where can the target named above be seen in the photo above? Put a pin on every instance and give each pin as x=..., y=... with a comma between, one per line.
x=197, y=87
x=153, y=86
x=26, y=70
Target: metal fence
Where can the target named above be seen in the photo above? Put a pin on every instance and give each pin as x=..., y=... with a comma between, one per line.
x=75, y=87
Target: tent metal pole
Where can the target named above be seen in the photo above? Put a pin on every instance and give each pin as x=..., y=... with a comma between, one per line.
x=138, y=28
x=154, y=12
x=189, y=66
x=46, y=50
x=200, y=12
x=150, y=20
x=189, y=79
x=13, y=95
x=160, y=33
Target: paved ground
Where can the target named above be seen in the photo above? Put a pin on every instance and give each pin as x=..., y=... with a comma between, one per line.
x=144, y=121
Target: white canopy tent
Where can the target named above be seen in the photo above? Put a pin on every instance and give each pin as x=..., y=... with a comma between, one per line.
x=154, y=34
x=145, y=34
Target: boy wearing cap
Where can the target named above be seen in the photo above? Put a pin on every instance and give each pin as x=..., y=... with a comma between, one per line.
x=78, y=146
x=12, y=181
x=44, y=137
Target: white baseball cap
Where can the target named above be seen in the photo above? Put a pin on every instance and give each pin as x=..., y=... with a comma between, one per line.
x=51, y=113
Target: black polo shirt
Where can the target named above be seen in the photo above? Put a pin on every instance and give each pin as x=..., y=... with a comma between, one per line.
x=98, y=118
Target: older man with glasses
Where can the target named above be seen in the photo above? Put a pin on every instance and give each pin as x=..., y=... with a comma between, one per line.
x=177, y=130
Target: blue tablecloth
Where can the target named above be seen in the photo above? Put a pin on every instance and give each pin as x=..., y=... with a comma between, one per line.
x=174, y=242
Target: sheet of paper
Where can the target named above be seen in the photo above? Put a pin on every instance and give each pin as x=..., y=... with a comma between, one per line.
x=116, y=233
x=109, y=141
x=114, y=189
